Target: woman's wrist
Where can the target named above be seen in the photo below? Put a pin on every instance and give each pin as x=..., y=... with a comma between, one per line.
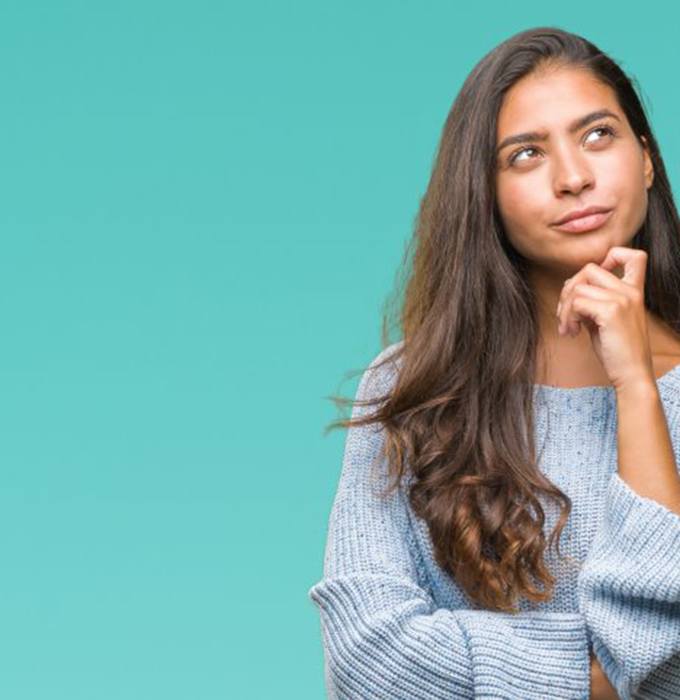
x=600, y=687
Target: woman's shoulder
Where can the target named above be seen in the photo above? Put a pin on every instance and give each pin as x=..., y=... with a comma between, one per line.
x=391, y=351
x=384, y=366
x=665, y=343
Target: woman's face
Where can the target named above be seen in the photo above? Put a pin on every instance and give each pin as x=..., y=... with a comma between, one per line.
x=538, y=182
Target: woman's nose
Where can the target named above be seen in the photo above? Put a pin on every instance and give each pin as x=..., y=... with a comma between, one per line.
x=572, y=173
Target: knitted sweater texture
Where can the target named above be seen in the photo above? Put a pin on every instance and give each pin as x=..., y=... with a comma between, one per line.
x=395, y=626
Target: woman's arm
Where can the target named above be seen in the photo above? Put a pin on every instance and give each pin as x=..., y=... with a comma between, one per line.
x=600, y=687
x=383, y=633
x=646, y=460
x=629, y=587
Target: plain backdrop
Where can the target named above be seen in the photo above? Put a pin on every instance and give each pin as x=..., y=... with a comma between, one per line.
x=203, y=208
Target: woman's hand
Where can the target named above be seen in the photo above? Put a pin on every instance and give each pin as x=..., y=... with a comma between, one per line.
x=614, y=313
x=600, y=687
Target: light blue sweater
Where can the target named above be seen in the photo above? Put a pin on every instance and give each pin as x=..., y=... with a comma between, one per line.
x=395, y=626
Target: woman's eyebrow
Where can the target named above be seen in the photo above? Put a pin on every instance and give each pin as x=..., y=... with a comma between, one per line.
x=542, y=135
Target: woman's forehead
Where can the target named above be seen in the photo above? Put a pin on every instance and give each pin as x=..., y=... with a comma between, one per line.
x=554, y=101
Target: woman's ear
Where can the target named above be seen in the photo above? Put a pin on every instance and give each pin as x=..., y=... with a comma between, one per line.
x=649, y=167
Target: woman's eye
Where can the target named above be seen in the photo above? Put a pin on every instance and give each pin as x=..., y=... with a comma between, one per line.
x=606, y=129
x=609, y=131
x=516, y=155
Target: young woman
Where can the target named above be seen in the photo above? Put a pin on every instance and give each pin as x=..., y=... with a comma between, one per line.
x=536, y=391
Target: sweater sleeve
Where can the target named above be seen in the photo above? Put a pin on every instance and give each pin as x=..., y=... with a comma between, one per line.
x=383, y=636
x=629, y=594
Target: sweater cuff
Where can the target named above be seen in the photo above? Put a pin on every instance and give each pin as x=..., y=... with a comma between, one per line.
x=629, y=587
x=549, y=656
x=640, y=527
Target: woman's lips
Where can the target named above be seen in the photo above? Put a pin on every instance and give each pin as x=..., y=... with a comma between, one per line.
x=585, y=223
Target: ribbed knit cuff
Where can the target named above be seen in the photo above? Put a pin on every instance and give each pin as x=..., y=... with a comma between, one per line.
x=629, y=587
x=644, y=531
x=548, y=656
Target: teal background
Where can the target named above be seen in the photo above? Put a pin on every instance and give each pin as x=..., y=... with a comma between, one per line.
x=203, y=209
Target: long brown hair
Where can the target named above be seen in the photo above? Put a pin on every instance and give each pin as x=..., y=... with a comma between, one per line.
x=458, y=417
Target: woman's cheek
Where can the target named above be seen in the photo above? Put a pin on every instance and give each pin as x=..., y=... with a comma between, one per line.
x=525, y=208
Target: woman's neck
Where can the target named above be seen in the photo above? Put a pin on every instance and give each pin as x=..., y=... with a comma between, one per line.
x=571, y=362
